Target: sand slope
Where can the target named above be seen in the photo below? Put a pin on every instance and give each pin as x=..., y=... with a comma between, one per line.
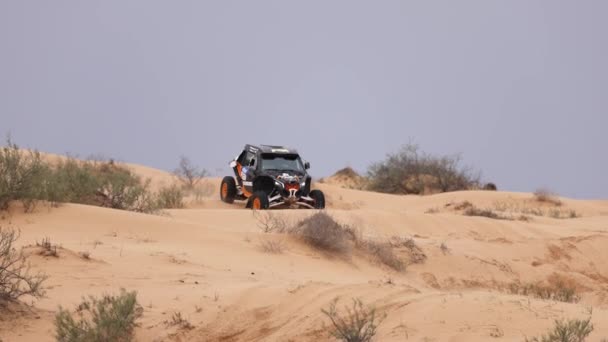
x=206, y=262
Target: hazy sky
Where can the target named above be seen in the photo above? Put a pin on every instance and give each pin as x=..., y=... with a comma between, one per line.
x=520, y=88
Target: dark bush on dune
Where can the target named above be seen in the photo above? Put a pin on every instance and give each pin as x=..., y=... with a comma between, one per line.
x=490, y=187
x=411, y=171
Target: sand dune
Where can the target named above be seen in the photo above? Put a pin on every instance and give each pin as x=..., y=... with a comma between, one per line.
x=206, y=262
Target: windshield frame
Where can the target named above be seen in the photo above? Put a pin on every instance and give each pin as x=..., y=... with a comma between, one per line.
x=287, y=156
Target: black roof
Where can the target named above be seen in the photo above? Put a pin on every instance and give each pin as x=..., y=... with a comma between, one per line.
x=271, y=149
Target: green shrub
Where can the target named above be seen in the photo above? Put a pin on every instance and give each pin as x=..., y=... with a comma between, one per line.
x=171, y=197
x=25, y=177
x=358, y=324
x=111, y=318
x=574, y=330
x=411, y=171
x=21, y=176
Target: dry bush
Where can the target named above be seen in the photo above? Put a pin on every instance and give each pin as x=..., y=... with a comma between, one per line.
x=85, y=255
x=444, y=248
x=415, y=254
x=358, y=324
x=463, y=205
x=574, y=330
x=189, y=174
x=109, y=318
x=411, y=171
x=269, y=222
x=47, y=248
x=433, y=210
x=16, y=279
x=271, y=246
x=322, y=232
x=177, y=320
x=474, y=211
x=547, y=196
x=347, y=172
x=384, y=253
x=556, y=288
x=563, y=214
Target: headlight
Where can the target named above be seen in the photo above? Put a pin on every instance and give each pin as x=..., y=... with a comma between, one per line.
x=279, y=184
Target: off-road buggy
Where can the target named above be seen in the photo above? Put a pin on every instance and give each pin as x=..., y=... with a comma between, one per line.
x=270, y=176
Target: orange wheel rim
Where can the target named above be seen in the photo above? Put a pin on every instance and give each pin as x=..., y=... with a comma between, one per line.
x=224, y=190
x=257, y=204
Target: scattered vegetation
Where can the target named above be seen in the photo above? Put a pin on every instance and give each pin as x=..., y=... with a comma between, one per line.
x=358, y=324
x=547, y=196
x=322, y=232
x=524, y=208
x=410, y=171
x=556, y=288
x=189, y=174
x=16, y=278
x=574, y=330
x=463, y=205
x=110, y=318
x=177, y=320
x=25, y=177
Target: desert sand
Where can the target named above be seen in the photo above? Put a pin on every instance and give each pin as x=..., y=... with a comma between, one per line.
x=206, y=263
